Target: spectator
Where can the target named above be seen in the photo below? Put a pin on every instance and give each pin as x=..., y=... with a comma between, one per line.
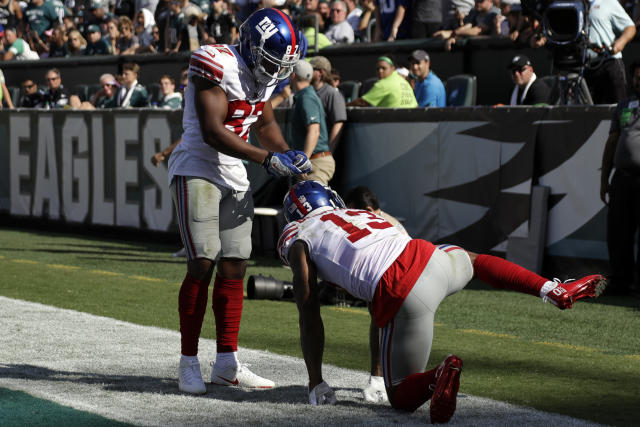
x=428, y=89
x=325, y=11
x=155, y=45
x=68, y=22
x=528, y=90
x=132, y=94
x=510, y=22
x=171, y=100
x=193, y=19
x=453, y=14
x=308, y=24
x=368, y=10
x=245, y=8
x=310, y=6
x=150, y=5
x=340, y=30
x=56, y=96
x=127, y=42
x=362, y=197
x=335, y=78
x=177, y=37
x=308, y=128
x=17, y=47
x=113, y=34
x=426, y=18
x=353, y=14
x=43, y=15
x=97, y=45
x=33, y=97
x=10, y=14
x=332, y=100
x=391, y=90
x=58, y=43
x=184, y=79
x=4, y=93
x=144, y=27
x=76, y=43
x=622, y=151
x=105, y=97
x=221, y=26
x=393, y=22
x=98, y=14
x=479, y=21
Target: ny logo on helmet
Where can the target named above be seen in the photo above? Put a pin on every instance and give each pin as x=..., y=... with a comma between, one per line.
x=266, y=28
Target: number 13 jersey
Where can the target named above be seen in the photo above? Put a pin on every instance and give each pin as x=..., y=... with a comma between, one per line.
x=223, y=66
x=349, y=247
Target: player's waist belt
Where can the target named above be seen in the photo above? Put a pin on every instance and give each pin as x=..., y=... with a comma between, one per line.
x=320, y=154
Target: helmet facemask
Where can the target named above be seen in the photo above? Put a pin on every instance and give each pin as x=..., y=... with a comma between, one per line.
x=270, y=70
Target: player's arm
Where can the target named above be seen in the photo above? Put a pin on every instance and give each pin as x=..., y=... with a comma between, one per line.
x=211, y=106
x=268, y=131
x=305, y=287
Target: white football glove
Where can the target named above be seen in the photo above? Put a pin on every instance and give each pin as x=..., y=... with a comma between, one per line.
x=375, y=391
x=322, y=394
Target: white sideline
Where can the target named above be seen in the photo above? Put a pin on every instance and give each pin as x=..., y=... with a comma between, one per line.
x=128, y=372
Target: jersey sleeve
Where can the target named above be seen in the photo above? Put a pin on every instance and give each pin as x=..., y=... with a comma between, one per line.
x=287, y=238
x=205, y=62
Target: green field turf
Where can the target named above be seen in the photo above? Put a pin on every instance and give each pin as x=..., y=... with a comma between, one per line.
x=583, y=362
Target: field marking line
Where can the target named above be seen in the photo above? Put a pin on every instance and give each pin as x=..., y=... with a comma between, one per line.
x=127, y=372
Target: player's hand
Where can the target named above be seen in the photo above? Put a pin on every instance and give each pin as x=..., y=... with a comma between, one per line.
x=280, y=164
x=375, y=391
x=322, y=394
x=299, y=160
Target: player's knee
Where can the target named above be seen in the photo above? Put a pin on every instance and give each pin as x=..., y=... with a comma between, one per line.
x=232, y=268
x=200, y=268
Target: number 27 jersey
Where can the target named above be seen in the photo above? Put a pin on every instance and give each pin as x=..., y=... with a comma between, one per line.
x=349, y=247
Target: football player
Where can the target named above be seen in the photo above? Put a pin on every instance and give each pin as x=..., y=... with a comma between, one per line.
x=228, y=92
x=404, y=279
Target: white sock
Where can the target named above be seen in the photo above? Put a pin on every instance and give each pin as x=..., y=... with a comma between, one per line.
x=547, y=287
x=227, y=359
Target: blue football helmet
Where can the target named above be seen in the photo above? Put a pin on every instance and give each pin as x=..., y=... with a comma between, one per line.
x=269, y=45
x=309, y=196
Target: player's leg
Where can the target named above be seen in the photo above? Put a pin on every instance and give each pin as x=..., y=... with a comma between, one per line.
x=503, y=274
x=236, y=216
x=197, y=212
x=406, y=340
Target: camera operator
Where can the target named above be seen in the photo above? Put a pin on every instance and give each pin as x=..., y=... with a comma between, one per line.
x=610, y=29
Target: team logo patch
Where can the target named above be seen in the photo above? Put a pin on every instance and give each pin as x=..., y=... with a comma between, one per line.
x=266, y=28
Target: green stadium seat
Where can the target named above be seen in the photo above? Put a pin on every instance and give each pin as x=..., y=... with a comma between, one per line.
x=155, y=94
x=349, y=89
x=82, y=91
x=461, y=90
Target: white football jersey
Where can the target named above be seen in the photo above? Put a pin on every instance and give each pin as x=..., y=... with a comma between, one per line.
x=349, y=247
x=223, y=65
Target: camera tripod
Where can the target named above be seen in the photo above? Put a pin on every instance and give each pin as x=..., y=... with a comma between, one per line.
x=570, y=88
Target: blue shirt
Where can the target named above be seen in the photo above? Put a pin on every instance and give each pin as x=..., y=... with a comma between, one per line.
x=430, y=92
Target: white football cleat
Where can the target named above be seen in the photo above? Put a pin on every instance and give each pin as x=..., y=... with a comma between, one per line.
x=322, y=394
x=238, y=375
x=190, y=377
x=375, y=391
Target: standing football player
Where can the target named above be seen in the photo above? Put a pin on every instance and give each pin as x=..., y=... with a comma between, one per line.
x=404, y=279
x=228, y=92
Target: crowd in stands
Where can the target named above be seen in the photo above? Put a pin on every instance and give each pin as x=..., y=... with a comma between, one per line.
x=63, y=28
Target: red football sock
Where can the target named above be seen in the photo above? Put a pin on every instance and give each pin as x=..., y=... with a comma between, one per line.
x=503, y=274
x=227, y=308
x=414, y=390
x=192, y=305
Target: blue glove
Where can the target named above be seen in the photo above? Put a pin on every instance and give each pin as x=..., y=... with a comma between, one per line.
x=281, y=164
x=299, y=160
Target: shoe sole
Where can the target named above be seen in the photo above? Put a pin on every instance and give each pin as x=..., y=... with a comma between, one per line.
x=239, y=385
x=442, y=406
x=592, y=289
